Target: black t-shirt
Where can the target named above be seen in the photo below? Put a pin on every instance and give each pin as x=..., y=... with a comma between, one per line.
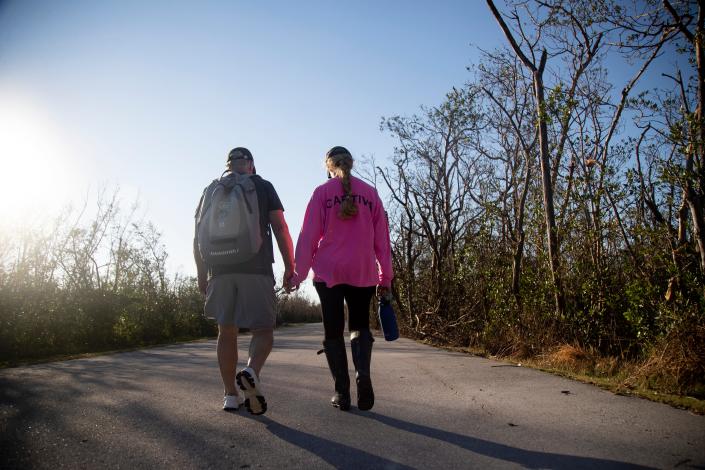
x=261, y=263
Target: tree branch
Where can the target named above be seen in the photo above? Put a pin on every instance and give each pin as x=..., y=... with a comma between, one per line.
x=525, y=60
x=679, y=21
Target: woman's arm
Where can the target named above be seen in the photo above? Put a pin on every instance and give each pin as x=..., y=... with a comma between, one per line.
x=309, y=237
x=383, y=250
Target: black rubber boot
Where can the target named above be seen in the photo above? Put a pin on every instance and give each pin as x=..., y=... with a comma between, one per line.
x=361, y=345
x=338, y=365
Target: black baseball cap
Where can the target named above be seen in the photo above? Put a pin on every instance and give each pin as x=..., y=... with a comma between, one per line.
x=240, y=153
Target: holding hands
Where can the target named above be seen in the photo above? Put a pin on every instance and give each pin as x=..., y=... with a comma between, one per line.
x=289, y=280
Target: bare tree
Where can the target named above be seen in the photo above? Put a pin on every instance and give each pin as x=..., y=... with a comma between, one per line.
x=433, y=180
x=537, y=68
x=510, y=117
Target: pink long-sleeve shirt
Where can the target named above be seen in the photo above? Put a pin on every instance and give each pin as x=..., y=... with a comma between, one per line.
x=354, y=251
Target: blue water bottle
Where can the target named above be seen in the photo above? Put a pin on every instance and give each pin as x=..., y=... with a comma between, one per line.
x=387, y=318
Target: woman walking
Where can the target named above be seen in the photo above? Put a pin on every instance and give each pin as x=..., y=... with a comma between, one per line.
x=345, y=240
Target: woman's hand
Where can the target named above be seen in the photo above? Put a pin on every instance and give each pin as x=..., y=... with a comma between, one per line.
x=383, y=292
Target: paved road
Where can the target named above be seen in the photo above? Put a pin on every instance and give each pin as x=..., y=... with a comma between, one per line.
x=160, y=408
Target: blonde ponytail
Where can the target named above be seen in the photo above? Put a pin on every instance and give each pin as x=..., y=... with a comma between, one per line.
x=340, y=163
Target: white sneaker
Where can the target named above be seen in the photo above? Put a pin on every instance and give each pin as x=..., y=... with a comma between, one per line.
x=232, y=402
x=249, y=383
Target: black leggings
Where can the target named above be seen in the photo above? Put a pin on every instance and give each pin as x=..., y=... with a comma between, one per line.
x=358, y=300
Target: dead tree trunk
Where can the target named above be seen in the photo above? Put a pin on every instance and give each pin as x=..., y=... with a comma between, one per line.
x=545, y=159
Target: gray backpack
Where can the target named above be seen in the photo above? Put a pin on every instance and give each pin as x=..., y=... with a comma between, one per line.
x=227, y=221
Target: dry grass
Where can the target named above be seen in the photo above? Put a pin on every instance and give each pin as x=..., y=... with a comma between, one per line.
x=675, y=365
x=673, y=373
x=570, y=356
x=579, y=360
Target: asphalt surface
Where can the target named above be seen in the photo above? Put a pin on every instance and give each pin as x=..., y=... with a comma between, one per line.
x=160, y=408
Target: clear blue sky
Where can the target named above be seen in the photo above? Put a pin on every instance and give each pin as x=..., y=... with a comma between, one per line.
x=150, y=95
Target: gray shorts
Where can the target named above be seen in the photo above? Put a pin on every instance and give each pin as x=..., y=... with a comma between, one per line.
x=243, y=300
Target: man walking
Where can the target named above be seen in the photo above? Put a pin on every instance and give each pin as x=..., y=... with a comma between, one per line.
x=235, y=270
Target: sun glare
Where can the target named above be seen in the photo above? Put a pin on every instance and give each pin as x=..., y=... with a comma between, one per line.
x=34, y=164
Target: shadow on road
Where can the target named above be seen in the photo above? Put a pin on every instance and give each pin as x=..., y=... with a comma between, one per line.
x=13, y=452
x=526, y=458
x=340, y=456
x=59, y=399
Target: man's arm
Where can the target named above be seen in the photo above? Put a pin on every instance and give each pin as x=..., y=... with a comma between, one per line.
x=201, y=270
x=286, y=246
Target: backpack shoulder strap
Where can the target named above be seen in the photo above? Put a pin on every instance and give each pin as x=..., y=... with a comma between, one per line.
x=206, y=199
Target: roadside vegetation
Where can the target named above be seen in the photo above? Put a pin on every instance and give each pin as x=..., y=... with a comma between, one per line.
x=98, y=282
x=551, y=211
